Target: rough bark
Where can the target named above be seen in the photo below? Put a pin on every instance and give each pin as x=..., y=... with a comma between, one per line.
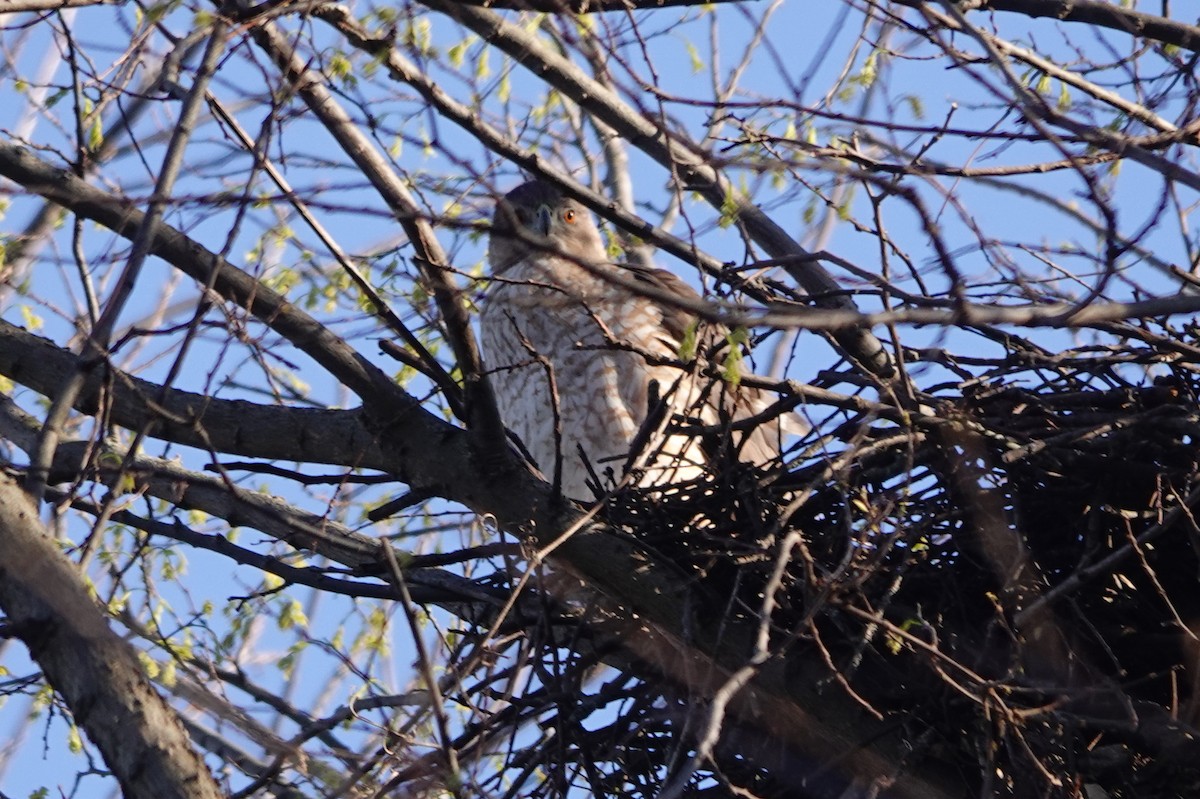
x=429, y=454
x=95, y=672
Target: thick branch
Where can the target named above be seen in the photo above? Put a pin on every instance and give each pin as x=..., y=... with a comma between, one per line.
x=680, y=157
x=1036, y=108
x=1090, y=12
x=234, y=427
x=15, y=6
x=429, y=453
x=431, y=259
x=588, y=6
x=96, y=673
x=168, y=243
x=416, y=434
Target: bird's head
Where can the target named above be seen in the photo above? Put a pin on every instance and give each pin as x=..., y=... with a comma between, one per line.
x=538, y=210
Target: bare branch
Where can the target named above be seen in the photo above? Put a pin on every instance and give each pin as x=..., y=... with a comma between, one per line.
x=95, y=671
x=431, y=259
x=673, y=153
x=236, y=427
x=17, y=6
x=22, y=167
x=1092, y=12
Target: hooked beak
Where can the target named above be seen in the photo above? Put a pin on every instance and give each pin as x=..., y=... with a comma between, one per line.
x=541, y=222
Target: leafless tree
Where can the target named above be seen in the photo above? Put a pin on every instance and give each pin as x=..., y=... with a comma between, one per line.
x=262, y=531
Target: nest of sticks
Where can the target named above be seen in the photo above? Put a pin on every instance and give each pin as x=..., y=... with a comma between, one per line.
x=1013, y=577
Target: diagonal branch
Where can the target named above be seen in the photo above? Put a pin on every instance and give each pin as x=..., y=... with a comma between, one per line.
x=1037, y=109
x=17, y=6
x=168, y=243
x=681, y=157
x=96, y=673
x=235, y=427
x=424, y=362
x=1090, y=12
x=786, y=700
x=496, y=140
x=431, y=259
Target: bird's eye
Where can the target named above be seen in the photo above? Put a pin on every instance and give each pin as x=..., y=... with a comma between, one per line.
x=569, y=216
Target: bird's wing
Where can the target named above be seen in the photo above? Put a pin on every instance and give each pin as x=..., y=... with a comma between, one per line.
x=732, y=403
x=676, y=321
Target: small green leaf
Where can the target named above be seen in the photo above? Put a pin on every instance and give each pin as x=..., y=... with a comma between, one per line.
x=694, y=55
x=148, y=665
x=96, y=134
x=339, y=66
x=732, y=372
x=292, y=616
x=117, y=603
x=729, y=210
x=74, y=740
x=32, y=321
x=809, y=213
x=687, y=347
x=870, y=70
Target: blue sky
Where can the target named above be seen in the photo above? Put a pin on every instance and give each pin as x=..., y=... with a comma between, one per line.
x=807, y=46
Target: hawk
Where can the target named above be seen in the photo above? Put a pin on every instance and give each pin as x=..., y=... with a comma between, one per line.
x=600, y=381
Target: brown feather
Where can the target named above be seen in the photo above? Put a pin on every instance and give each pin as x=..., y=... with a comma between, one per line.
x=548, y=328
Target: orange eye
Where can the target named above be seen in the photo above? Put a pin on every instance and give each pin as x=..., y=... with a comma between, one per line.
x=569, y=216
